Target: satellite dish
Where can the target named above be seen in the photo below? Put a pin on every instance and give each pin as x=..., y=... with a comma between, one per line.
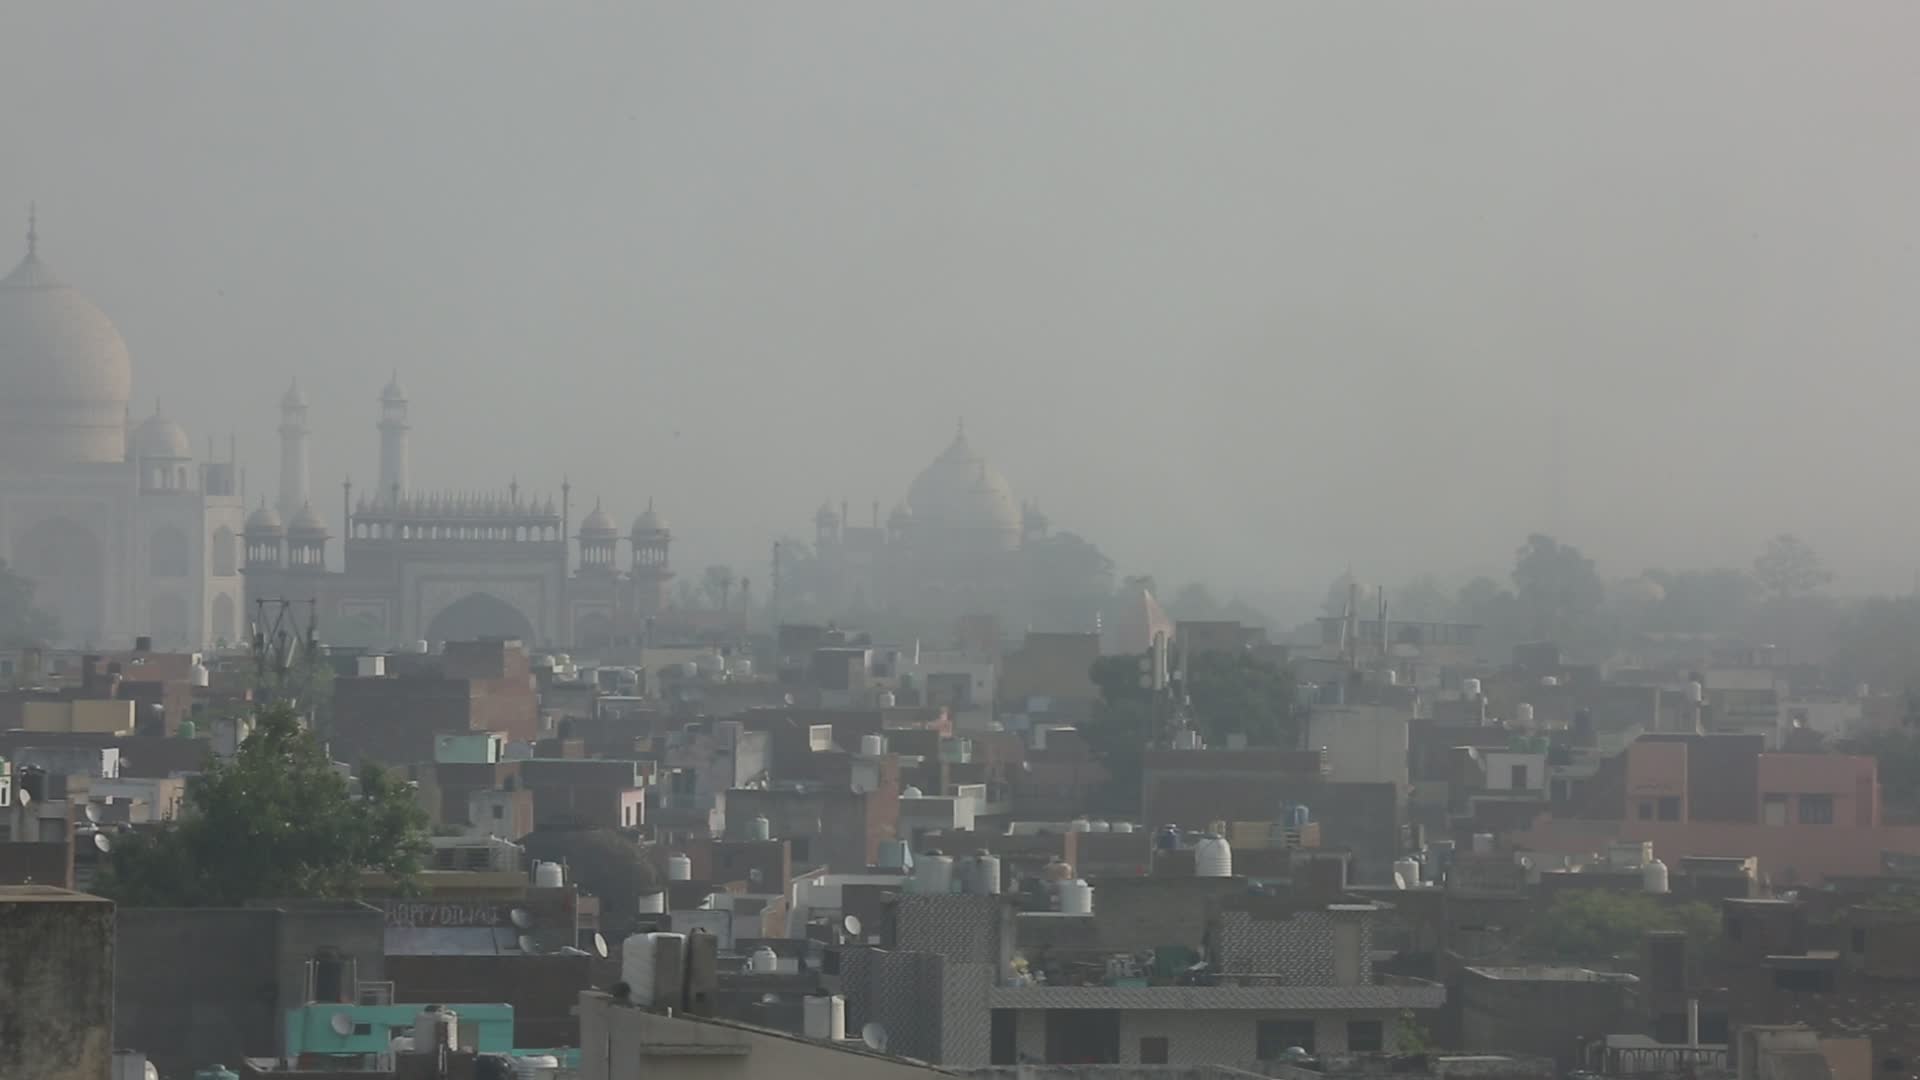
x=527, y=944
x=101, y=843
x=26, y=797
x=342, y=1024
x=93, y=813
x=1399, y=880
x=875, y=1036
x=851, y=924
x=769, y=999
x=520, y=918
x=600, y=946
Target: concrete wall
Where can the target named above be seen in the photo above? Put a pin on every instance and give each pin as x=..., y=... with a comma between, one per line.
x=1362, y=742
x=1217, y=1037
x=56, y=984
x=619, y=1042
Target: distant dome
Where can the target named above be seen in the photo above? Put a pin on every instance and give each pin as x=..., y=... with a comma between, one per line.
x=65, y=376
x=307, y=522
x=598, y=523
x=159, y=437
x=264, y=520
x=649, y=521
x=394, y=391
x=961, y=494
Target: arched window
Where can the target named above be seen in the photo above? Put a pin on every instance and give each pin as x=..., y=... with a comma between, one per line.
x=168, y=554
x=222, y=554
x=224, y=626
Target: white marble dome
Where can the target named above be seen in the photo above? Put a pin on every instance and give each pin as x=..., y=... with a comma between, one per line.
x=65, y=376
x=960, y=493
x=159, y=437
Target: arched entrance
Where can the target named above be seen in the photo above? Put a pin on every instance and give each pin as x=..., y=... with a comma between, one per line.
x=480, y=615
x=69, y=571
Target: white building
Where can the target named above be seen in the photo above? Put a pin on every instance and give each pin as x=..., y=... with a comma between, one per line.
x=122, y=530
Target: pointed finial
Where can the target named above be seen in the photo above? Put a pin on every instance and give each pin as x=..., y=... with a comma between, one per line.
x=33, y=229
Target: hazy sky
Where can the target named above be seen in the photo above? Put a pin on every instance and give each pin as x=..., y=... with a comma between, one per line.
x=1246, y=292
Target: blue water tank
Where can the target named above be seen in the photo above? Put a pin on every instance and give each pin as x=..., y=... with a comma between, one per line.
x=1297, y=816
x=1167, y=839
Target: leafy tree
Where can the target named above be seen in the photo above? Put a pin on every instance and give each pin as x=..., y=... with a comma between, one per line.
x=602, y=862
x=276, y=821
x=1557, y=590
x=1592, y=926
x=1420, y=600
x=1879, y=644
x=1789, y=568
x=717, y=584
x=1898, y=756
x=1194, y=601
x=1069, y=579
x=1701, y=601
x=22, y=625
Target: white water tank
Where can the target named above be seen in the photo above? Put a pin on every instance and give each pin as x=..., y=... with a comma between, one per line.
x=1080, y=824
x=1470, y=687
x=933, y=874
x=1406, y=873
x=679, y=867
x=1695, y=692
x=1483, y=843
x=199, y=676
x=763, y=961
x=435, y=1027
x=986, y=875
x=884, y=699
x=872, y=745
x=1037, y=737
x=1099, y=826
x=1212, y=857
x=1523, y=714
x=760, y=828
x=639, y=955
x=1076, y=898
x=549, y=875
x=825, y=1017
x=912, y=793
x=653, y=903
x=1550, y=681
x=741, y=667
x=1653, y=877
x=1123, y=826
x=422, y=648
x=370, y=667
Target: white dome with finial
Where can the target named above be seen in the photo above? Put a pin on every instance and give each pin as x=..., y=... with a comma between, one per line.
x=307, y=522
x=264, y=520
x=159, y=437
x=394, y=391
x=649, y=521
x=294, y=398
x=65, y=376
x=598, y=524
x=962, y=495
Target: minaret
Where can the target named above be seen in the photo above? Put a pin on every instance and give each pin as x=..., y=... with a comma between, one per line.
x=293, y=451
x=393, y=439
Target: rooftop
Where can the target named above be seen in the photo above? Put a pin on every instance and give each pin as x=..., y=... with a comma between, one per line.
x=1549, y=973
x=40, y=894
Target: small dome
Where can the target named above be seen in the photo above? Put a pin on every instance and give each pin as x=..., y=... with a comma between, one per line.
x=295, y=398
x=825, y=515
x=649, y=521
x=159, y=437
x=307, y=523
x=598, y=524
x=264, y=520
x=394, y=391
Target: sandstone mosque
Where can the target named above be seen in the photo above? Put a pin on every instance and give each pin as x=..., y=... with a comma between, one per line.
x=125, y=534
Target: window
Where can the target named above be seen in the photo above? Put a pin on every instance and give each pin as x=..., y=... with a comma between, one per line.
x=1517, y=778
x=1773, y=810
x=1816, y=809
x=1803, y=980
x=499, y=811
x=1670, y=808
x=1365, y=1037
x=1153, y=1050
x=1272, y=1038
x=1646, y=809
x=363, y=1029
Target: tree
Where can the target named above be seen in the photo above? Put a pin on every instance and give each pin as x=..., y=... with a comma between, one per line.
x=1879, y=644
x=1419, y=600
x=1789, y=568
x=1557, y=591
x=1701, y=601
x=22, y=625
x=1194, y=601
x=1591, y=926
x=276, y=821
x=717, y=584
x=1068, y=580
x=602, y=862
